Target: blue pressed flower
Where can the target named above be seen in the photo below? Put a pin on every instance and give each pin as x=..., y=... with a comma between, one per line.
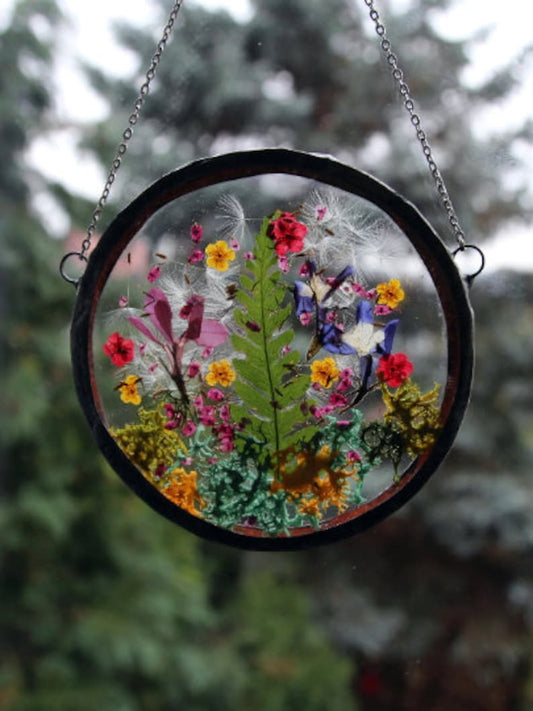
x=304, y=302
x=390, y=330
x=330, y=336
x=364, y=312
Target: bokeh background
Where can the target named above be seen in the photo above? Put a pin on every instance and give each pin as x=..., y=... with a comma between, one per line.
x=103, y=604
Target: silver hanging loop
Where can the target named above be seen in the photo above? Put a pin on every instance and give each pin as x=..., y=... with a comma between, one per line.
x=62, y=266
x=469, y=278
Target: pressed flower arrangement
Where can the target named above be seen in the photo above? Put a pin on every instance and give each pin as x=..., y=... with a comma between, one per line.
x=262, y=378
x=255, y=374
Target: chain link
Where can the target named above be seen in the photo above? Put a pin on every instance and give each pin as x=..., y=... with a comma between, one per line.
x=398, y=76
x=127, y=134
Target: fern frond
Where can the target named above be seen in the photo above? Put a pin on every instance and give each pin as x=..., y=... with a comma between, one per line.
x=271, y=396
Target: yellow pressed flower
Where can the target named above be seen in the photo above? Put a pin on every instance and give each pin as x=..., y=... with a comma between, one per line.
x=128, y=390
x=219, y=255
x=220, y=373
x=183, y=491
x=324, y=372
x=390, y=294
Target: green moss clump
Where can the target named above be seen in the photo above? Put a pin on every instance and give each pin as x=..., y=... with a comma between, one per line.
x=147, y=443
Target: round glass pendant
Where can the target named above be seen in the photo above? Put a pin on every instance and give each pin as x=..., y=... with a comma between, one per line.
x=273, y=349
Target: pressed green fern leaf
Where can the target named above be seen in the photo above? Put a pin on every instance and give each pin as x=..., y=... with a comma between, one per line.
x=270, y=390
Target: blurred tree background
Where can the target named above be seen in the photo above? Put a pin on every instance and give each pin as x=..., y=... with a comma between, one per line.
x=105, y=605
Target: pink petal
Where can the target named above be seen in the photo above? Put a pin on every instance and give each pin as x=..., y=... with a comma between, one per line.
x=141, y=326
x=212, y=333
x=194, y=318
x=158, y=309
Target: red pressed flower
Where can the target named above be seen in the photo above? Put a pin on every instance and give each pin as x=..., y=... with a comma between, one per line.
x=394, y=369
x=287, y=233
x=120, y=350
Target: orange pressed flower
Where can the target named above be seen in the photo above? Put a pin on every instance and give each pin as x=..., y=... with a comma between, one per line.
x=183, y=491
x=220, y=373
x=219, y=255
x=324, y=372
x=128, y=390
x=390, y=294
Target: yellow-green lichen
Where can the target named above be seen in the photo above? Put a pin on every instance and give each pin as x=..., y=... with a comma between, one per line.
x=414, y=414
x=147, y=443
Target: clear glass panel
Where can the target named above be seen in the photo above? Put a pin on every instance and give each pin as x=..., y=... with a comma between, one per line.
x=268, y=353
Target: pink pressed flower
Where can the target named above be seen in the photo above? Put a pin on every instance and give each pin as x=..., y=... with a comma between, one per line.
x=187, y=462
x=234, y=244
x=371, y=294
x=315, y=411
x=212, y=460
x=337, y=400
x=169, y=410
x=225, y=430
x=331, y=316
x=321, y=212
x=358, y=289
x=195, y=256
x=345, y=373
x=344, y=385
x=196, y=232
x=215, y=394
x=227, y=445
x=208, y=351
x=198, y=401
x=142, y=348
x=189, y=429
x=153, y=274
x=316, y=386
x=171, y=425
x=153, y=368
x=343, y=423
x=123, y=301
x=193, y=369
x=346, y=288
x=250, y=256
x=283, y=264
x=304, y=270
x=305, y=318
x=224, y=413
x=285, y=350
x=327, y=409
x=382, y=310
x=353, y=456
x=207, y=416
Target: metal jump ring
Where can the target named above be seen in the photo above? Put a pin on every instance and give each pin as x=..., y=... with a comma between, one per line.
x=469, y=278
x=66, y=277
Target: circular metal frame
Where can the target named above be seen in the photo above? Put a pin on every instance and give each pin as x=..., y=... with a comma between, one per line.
x=436, y=258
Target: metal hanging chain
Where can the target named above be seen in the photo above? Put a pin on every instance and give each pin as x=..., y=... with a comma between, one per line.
x=398, y=76
x=123, y=146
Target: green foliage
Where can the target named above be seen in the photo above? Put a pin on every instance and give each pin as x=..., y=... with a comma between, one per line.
x=271, y=397
x=302, y=668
